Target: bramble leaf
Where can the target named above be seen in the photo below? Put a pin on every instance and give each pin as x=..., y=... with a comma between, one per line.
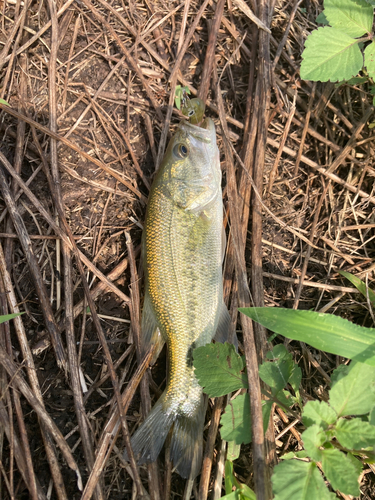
x=355, y=434
x=354, y=394
x=353, y=17
x=218, y=369
x=314, y=437
x=369, y=54
x=236, y=421
x=325, y=332
x=330, y=55
x=340, y=471
x=276, y=373
x=302, y=480
x=321, y=19
x=320, y=413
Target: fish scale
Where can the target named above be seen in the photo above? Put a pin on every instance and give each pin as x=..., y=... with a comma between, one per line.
x=182, y=252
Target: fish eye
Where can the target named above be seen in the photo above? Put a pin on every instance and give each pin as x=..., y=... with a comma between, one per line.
x=181, y=150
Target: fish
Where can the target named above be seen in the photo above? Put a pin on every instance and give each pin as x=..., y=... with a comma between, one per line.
x=183, y=244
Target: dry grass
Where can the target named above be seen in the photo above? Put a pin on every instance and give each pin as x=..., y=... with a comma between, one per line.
x=89, y=85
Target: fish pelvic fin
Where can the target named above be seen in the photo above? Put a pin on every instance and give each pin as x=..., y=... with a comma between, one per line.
x=186, y=441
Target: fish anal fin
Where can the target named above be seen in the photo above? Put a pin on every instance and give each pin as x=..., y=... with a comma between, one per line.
x=150, y=331
x=223, y=328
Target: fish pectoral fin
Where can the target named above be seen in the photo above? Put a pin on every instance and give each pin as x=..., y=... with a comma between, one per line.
x=150, y=331
x=223, y=328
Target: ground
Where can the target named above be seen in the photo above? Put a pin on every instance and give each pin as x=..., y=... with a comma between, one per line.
x=114, y=112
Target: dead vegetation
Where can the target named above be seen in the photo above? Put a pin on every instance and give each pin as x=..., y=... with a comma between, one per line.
x=89, y=85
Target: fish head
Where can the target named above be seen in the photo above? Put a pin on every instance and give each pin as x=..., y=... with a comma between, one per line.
x=190, y=171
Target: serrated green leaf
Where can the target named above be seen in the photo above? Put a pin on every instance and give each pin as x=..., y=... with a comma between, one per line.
x=330, y=55
x=218, y=369
x=355, y=433
x=276, y=373
x=236, y=421
x=369, y=54
x=325, y=332
x=314, y=437
x=7, y=317
x=320, y=413
x=356, y=463
x=354, y=394
x=353, y=17
x=321, y=19
x=358, y=283
x=340, y=471
x=293, y=479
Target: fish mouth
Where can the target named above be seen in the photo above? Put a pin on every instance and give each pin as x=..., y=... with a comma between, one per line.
x=205, y=133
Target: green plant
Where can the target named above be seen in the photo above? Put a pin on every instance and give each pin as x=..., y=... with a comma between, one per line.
x=336, y=51
x=7, y=317
x=338, y=435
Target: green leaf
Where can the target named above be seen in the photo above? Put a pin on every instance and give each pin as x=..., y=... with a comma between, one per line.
x=358, y=283
x=236, y=422
x=295, y=378
x=321, y=19
x=353, y=17
x=340, y=471
x=354, y=394
x=325, y=332
x=370, y=59
x=233, y=450
x=229, y=477
x=314, y=437
x=320, y=413
x=293, y=479
x=2, y=101
x=218, y=369
x=330, y=55
x=276, y=374
x=7, y=317
x=355, y=433
x=247, y=493
x=357, y=80
x=266, y=411
x=292, y=454
x=371, y=417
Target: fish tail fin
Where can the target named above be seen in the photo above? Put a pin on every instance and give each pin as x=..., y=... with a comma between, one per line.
x=186, y=441
x=149, y=438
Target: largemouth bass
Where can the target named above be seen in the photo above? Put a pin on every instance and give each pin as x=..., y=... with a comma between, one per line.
x=183, y=246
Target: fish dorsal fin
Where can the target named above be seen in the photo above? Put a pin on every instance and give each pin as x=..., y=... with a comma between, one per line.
x=150, y=331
